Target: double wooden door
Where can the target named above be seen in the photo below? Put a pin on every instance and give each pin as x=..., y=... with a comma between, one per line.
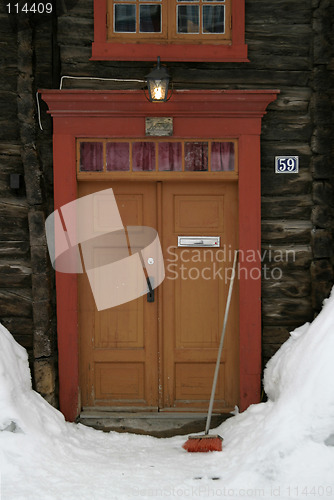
x=160, y=355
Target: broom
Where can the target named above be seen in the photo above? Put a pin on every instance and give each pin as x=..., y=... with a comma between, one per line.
x=206, y=442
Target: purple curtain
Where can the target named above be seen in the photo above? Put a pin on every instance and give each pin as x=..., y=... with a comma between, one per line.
x=196, y=156
x=91, y=156
x=143, y=156
x=222, y=156
x=170, y=156
x=118, y=156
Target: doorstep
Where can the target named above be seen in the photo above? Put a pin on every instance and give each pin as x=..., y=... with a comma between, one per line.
x=153, y=424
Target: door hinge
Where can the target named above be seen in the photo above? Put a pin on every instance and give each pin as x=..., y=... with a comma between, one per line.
x=230, y=22
x=108, y=19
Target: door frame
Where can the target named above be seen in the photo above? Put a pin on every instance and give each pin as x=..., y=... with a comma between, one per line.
x=234, y=114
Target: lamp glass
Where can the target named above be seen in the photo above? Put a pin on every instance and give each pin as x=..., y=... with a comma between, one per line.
x=158, y=89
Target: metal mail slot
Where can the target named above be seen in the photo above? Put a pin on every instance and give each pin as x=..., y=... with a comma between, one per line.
x=198, y=241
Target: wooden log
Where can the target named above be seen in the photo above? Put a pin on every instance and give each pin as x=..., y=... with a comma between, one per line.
x=322, y=270
x=322, y=242
x=323, y=193
x=72, y=30
x=282, y=12
x=321, y=167
x=14, y=229
x=292, y=99
x=321, y=109
x=18, y=250
x=270, y=148
x=287, y=312
x=292, y=258
x=268, y=351
x=290, y=231
x=278, y=62
x=21, y=329
x=287, y=207
x=15, y=275
x=18, y=303
x=275, y=334
x=292, y=286
x=10, y=148
x=287, y=127
x=321, y=217
x=320, y=291
x=14, y=207
x=285, y=184
x=321, y=141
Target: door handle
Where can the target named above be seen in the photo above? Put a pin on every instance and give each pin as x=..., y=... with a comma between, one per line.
x=150, y=294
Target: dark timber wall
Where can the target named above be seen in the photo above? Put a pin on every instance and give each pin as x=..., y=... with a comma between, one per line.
x=290, y=48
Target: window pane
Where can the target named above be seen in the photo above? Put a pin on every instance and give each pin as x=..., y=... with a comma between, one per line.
x=213, y=19
x=125, y=18
x=150, y=18
x=91, y=156
x=195, y=156
x=222, y=156
x=188, y=19
x=118, y=158
x=170, y=156
x=143, y=156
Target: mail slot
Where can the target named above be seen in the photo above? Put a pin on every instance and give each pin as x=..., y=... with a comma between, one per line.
x=198, y=241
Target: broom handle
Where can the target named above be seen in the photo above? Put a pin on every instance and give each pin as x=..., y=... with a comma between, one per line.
x=215, y=378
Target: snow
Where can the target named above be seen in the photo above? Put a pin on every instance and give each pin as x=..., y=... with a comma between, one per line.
x=279, y=449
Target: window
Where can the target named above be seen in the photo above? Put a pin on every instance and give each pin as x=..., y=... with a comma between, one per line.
x=176, y=30
x=204, y=21
x=155, y=156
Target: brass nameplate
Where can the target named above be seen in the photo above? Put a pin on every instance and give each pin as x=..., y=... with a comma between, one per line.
x=159, y=126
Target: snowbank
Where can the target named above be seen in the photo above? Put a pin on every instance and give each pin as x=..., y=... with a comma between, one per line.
x=282, y=448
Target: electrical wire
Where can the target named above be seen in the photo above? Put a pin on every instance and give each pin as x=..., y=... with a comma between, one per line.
x=99, y=78
x=39, y=111
x=82, y=78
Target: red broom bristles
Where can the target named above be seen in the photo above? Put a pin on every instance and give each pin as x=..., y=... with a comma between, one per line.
x=203, y=444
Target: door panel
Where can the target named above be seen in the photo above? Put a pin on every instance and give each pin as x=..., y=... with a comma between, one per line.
x=195, y=293
x=125, y=361
x=118, y=345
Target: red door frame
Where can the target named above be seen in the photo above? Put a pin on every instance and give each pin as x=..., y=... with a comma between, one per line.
x=235, y=114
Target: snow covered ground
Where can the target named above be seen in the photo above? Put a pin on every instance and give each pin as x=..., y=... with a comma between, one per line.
x=283, y=448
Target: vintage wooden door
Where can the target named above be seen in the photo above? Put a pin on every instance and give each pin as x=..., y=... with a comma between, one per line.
x=119, y=346
x=160, y=356
x=194, y=295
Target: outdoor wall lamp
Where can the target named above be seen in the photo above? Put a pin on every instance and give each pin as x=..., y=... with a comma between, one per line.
x=157, y=84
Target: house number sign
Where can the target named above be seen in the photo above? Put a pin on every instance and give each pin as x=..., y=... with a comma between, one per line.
x=286, y=164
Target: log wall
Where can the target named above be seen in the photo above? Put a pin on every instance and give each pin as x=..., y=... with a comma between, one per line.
x=290, y=48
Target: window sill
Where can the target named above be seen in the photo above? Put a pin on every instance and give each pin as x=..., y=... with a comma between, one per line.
x=106, y=51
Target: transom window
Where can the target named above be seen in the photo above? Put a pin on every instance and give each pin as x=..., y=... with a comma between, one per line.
x=193, y=21
x=96, y=155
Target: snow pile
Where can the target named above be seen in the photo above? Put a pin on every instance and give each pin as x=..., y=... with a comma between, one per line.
x=21, y=408
x=282, y=448
x=288, y=439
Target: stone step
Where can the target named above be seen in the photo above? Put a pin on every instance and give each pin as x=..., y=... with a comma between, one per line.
x=153, y=424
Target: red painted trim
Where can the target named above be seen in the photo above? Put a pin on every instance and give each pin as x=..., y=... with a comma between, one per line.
x=105, y=50
x=235, y=114
x=65, y=190
x=250, y=270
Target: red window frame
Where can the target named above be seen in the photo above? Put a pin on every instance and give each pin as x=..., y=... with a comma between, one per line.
x=106, y=50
